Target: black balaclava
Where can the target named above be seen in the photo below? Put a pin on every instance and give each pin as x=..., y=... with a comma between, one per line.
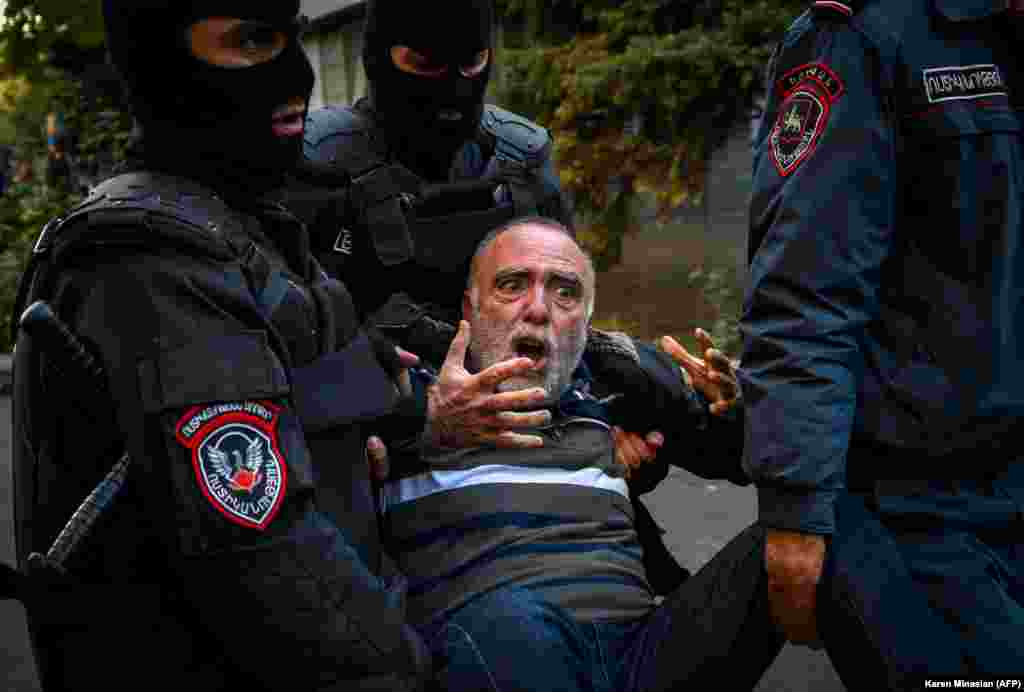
x=207, y=123
x=410, y=107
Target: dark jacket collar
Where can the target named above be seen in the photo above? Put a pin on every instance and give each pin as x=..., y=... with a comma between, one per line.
x=969, y=10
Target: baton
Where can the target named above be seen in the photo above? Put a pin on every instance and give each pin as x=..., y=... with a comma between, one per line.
x=74, y=360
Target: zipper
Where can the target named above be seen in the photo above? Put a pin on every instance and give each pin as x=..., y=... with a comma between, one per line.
x=555, y=429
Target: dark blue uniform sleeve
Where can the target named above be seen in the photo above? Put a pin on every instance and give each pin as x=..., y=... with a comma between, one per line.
x=821, y=224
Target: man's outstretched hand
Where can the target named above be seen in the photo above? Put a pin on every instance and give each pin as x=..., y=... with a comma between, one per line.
x=794, y=562
x=466, y=410
x=714, y=376
x=633, y=450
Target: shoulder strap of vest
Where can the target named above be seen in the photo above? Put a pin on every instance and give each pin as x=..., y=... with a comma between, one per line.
x=140, y=210
x=521, y=149
x=516, y=138
x=380, y=190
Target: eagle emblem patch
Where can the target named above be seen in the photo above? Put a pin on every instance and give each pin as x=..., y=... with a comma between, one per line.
x=235, y=455
x=797, y=128
x=807, y=93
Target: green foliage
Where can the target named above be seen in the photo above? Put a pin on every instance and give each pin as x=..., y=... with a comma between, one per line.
x=638, y=99
x=720, y=286
x=23, y=213
x=31, y=29
x=45, y=46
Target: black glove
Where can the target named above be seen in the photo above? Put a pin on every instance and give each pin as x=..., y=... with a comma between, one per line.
x=409, y=325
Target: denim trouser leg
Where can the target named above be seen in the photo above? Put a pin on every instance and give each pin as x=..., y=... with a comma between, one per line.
x=512, y=641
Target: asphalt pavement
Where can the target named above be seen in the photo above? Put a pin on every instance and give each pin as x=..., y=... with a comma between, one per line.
x=700, y=517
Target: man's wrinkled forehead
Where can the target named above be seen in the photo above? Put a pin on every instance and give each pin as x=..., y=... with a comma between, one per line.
x=446, y=28
x=534, y=247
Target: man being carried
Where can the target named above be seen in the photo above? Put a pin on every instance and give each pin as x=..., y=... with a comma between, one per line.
x=525, y=563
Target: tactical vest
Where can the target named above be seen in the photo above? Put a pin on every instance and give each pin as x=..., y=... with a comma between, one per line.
x=419, y=234
x=153, y=213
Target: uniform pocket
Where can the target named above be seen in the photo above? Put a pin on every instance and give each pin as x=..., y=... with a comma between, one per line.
x=235, y=449
x=219, y=368
x=961, y=176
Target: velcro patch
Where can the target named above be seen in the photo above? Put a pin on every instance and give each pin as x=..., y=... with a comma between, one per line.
x=237, y=460
x=807, y=93
x=963, y=82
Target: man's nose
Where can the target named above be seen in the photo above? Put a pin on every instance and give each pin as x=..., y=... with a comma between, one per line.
x=537, y=311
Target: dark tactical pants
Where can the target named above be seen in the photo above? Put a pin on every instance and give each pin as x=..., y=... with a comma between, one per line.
x=926, y=579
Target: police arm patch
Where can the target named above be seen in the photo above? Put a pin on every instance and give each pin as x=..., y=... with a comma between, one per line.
x=237, y=459
x=807, y=94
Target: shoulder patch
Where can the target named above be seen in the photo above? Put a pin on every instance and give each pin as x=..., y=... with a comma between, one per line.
x=237, y=460
x=807, y=94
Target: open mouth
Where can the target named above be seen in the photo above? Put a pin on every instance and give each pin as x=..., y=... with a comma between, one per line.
x=289, y=121
x=530, y=347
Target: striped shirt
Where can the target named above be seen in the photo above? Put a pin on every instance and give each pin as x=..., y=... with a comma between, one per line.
x=557, y=520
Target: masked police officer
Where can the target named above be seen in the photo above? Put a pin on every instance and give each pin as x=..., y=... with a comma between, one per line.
x=432, y=168
x=424, y=170
x=882, y=333
x=240, y=552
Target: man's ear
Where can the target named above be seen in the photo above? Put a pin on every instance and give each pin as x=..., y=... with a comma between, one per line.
x=467, y=305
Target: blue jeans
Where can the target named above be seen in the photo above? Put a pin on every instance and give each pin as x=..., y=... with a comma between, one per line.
x=714, y=629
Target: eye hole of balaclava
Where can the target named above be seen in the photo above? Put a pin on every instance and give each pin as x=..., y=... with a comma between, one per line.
x=426, y=64
x=235, y=43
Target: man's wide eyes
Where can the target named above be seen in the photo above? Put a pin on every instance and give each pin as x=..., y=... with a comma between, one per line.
x=510, y=284
x=568, y=292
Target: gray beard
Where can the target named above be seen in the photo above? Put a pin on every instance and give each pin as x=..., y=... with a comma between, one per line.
x=490, y=346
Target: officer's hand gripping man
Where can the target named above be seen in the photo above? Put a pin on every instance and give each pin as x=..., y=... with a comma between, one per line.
x=425, y=169
x=235, y=368
x=882, y=363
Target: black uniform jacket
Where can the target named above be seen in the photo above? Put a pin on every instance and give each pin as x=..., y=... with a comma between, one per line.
x=221, y=564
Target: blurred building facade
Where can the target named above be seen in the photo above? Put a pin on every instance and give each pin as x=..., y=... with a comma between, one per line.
x=334, y=45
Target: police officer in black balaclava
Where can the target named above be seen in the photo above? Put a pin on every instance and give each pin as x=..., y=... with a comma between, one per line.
x=432, y=168
x=428, y=66
x=234, y=126
x=417, y=174
x=232, y=558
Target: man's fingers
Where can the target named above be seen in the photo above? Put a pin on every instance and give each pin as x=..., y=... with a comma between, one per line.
x=516, y=419
x=499, y=372
x=722, y=407
x=377, y=454
x=407, y=359
x=510, y=440
x=693, y=365
x=457, y=351
x=718, y=360
x=632, y=450
x=521, y=400
x=404, y=383
x=704, y=339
